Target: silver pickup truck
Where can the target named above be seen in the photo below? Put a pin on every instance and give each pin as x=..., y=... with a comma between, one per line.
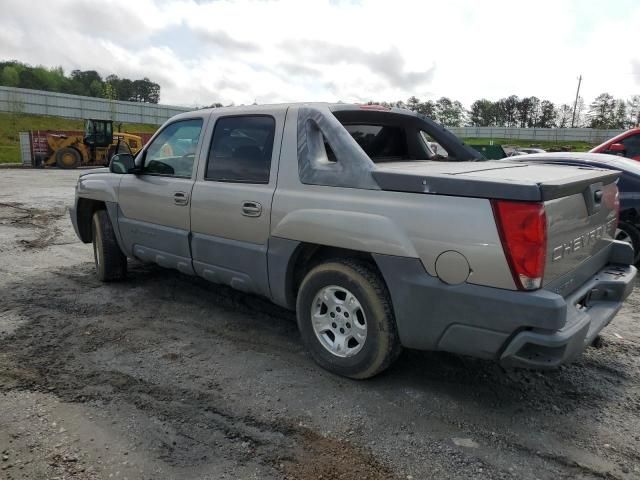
x=346, y=214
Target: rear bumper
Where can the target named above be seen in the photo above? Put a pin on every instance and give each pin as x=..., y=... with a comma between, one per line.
x=589, y=310
x=539, y=329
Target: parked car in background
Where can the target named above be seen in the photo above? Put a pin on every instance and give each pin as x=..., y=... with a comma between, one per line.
x=628, y=185
x=528, y=150
x=514, y=153
x=626, y=144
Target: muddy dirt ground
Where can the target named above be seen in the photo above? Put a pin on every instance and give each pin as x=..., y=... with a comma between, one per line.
x=167, y=377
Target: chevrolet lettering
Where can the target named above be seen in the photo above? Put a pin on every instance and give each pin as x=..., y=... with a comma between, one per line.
x=584, y=240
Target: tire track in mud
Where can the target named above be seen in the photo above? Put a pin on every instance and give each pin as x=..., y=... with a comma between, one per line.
x=72, y=316
x=49, y=354
x=16, y=215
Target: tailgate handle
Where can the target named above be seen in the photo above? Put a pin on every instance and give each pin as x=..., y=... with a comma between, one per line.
x=593, y=196
x=597, y=196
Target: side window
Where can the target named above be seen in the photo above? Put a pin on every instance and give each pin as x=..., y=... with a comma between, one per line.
x=632, y=146
x=241, y=149
x=172, y=152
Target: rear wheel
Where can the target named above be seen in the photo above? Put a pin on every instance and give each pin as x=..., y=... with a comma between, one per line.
x=631, y=235
x=68, y=158
x=346, y=319
x=111, y=263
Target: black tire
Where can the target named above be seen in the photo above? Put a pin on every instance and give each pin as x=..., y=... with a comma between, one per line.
x=381, y=345
x=631, y=234
x=68, y=158
x=111, y=263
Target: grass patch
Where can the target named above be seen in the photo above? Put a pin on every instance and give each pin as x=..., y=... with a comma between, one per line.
x=577, y=146
x=11, y=124
x=10, y=154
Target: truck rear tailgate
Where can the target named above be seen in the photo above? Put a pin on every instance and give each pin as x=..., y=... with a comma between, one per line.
x=580, y=203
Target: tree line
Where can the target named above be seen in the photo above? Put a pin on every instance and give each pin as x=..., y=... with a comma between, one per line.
x=529, y=112
x=604, y=112
x=80, y=82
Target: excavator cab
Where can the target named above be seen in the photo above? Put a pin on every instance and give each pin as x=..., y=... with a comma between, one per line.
x=98, y=133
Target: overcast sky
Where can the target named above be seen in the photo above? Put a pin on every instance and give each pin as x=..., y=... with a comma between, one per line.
x=202, y=52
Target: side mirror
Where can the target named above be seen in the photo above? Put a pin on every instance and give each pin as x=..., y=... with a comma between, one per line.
x=121, y=163
x=616, y=148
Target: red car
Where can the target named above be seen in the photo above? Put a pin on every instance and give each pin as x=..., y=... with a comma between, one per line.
x=626, y=144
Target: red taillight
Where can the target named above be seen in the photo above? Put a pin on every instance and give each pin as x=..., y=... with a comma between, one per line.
x=523, y=232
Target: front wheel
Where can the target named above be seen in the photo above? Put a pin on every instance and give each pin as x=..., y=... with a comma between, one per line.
x=111, y=263
x=346, y=321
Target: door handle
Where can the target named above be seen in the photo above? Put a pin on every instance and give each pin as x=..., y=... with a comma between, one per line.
x=251, y=209
x=181, y=198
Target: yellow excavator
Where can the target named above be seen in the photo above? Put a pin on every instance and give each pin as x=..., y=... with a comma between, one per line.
x=95, y=147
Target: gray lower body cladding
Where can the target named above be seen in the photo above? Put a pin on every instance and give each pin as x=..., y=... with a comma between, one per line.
x=539, y=329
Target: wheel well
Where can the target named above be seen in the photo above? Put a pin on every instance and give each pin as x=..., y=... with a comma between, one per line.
x=86, y=209
x=308, y=255
x=630, y=215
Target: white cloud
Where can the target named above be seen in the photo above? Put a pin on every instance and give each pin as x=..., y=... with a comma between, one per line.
x=293, y=50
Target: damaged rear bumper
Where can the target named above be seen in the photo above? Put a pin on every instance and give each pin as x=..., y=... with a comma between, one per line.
x=589, y=310
x=539, y=329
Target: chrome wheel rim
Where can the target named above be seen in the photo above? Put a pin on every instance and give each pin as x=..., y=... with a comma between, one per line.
x=339, y=321
x=623, y=236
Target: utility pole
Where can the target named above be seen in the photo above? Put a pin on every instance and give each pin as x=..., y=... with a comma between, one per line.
x=575, y=103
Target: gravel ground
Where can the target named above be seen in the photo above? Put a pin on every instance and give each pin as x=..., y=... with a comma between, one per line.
x=164, y=376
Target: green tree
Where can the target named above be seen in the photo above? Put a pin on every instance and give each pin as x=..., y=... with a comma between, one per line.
x=10, y=76
x=547, y=114
x=563, y=116
x=524, y=111
x=633, y=111
x=412, y=103
x=482, y=113
x=506, y=111
x=96, y=88
x=534, y=112
x=427, y=108
x=449, y=112
x=602, y=111
x=619, y=119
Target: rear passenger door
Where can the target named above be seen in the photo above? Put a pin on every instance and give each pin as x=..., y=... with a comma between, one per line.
x=154, y=205
x=231, y=201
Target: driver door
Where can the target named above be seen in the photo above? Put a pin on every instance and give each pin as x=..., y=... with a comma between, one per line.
x=154, y=206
